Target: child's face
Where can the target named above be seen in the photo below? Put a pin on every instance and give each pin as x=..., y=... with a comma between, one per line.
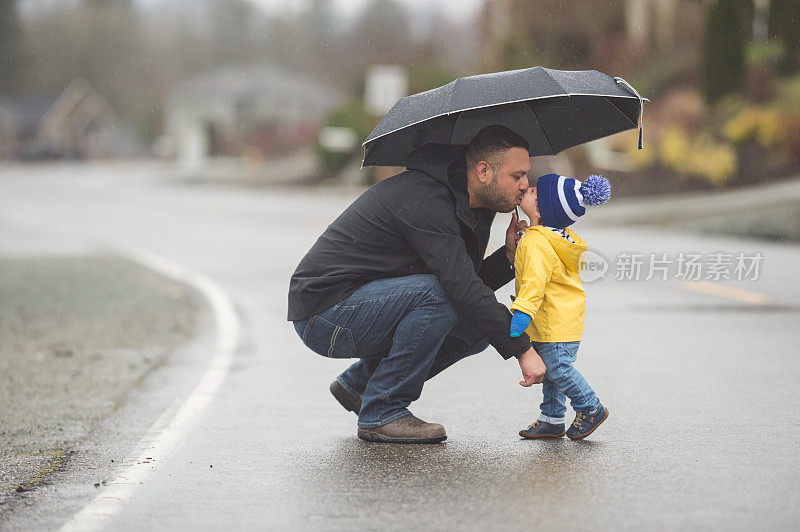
x=530, y=205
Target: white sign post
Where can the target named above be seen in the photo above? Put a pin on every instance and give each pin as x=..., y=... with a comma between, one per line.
x=384, y=85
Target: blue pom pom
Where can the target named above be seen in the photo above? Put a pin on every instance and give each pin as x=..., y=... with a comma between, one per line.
x=595, y=190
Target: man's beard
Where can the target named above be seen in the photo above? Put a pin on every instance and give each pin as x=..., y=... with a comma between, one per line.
x=492, y=197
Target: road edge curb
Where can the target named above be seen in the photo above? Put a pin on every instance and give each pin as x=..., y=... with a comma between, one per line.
x=165, y=435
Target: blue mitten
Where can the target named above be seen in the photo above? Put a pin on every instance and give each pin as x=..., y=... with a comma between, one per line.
x=519, y=322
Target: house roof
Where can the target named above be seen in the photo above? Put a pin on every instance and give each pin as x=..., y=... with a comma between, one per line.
x=27, y=111
x=249, y=83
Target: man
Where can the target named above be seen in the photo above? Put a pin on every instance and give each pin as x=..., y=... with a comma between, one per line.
x=399, y=280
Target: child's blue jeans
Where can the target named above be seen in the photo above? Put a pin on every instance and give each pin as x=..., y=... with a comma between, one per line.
x=562, y=380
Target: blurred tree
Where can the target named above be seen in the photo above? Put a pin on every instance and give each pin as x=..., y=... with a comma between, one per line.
x=308, y=42
x=429, y=75
x=514, y=53
x=784, y=26
x=558, y=34
x=315, y=42
x=127, y=4
x=320, y=18
x=11, y=49
x=381, y=34
x=100, y=41
x=431, y=66
x=232, y=36
x=107, y=40
x=728, y=29
x=134, y=52
x=748, y=11
x=174, y=45
x=350, y=115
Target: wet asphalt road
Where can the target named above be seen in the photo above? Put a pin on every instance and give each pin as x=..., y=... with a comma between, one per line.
x=702, y=387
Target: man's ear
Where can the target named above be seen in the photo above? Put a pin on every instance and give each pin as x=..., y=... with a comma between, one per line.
x=484, y=172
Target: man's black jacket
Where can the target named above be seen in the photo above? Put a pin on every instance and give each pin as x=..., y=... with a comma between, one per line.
x=418, y=221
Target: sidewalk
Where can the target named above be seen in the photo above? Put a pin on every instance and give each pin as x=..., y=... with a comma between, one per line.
x=78, y=331
x=769, y=211
x=276, y=170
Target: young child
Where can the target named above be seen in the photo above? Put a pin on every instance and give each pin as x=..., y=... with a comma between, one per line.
x=549, y=290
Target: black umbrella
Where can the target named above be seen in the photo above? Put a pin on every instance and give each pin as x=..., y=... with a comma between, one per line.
x=552, y=109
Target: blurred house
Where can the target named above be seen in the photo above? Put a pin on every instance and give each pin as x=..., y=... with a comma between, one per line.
x=76, y=123
x=8, y=140
x=588, y=36
x=255, y=111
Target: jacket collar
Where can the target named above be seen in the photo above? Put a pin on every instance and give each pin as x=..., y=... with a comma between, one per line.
x=446, y=164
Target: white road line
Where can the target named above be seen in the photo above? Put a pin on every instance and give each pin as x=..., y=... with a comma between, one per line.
x=162, y=440
x=704, y=287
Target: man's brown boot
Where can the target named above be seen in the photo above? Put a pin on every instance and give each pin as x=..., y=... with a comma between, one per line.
x=346, y=399
x=407, y=429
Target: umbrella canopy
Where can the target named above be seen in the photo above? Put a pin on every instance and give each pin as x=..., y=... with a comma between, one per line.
x=552, y=109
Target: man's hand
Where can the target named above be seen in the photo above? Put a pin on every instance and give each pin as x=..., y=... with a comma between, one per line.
x=533, y=368
x=513, y=234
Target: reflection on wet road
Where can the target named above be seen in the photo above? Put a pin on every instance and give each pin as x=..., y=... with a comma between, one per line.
x=702, y=388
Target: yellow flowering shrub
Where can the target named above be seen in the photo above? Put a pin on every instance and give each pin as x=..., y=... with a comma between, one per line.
x=674, y=148
x=640, y=158
x=700, y=156
x=762, y=124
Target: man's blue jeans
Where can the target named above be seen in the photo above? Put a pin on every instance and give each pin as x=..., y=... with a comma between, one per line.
x=403, y=329
x=562, y=380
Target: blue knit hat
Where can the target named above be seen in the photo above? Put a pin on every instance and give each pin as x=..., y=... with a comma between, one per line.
x=562, y=200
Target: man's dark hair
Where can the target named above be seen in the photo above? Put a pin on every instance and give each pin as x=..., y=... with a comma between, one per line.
x=491, y=143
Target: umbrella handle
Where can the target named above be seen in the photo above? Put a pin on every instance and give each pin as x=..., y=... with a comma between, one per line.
x=641, y=107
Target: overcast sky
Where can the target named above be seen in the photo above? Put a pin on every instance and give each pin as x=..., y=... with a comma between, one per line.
x=457, y=10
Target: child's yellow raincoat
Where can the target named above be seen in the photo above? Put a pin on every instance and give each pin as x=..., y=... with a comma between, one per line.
x=548, y=284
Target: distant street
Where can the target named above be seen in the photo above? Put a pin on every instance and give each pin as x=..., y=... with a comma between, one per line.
x=700, y=380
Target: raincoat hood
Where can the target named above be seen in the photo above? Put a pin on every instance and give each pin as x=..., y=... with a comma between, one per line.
x=569, y=253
